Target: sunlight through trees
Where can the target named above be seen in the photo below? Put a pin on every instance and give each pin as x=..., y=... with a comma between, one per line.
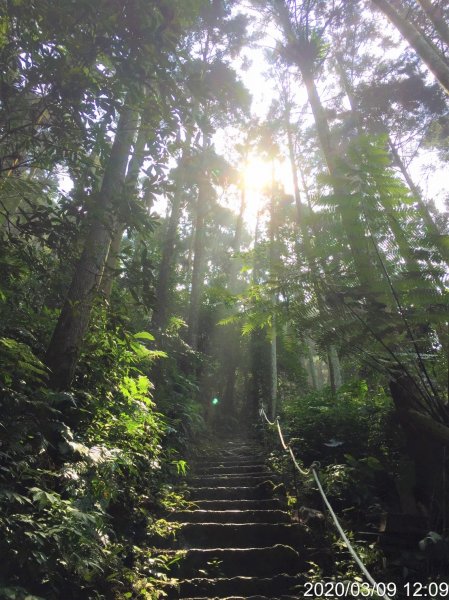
x=208, y=207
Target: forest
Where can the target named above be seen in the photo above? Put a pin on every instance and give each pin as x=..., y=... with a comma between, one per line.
x=221, y=220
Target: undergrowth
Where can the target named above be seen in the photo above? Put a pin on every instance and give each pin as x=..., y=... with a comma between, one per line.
x=86, y=475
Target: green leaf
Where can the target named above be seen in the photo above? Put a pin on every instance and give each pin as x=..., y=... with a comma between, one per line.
x=144, y=335
x=44, y=498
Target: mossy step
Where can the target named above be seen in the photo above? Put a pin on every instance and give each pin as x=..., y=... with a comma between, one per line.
x=232, y=562
x=239, y=586
x=235, y=535
x=230, y=516
x=239, y=504
x=265, y=489
x=245, y=479
x=229, y=460
x=241, y=492
x=222, y=470
x=242, y=452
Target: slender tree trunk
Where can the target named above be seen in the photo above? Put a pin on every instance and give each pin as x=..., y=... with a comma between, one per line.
x=300, y=212
x=112, y=263
x=402, y=242
x=198, y=259
x=65, y=344
x=437, y=18
x=132, y=177
x=231, y=348
x=299, y=205
x=423, y=47
x=311, y=364
x=320, y=374
x=161, y=309
x=423, y=208
x=274, y=370
x=334, y=363
x=353, y=227
x=334, y=368
x=302, y=226
x=260, y=358
x=274, y=262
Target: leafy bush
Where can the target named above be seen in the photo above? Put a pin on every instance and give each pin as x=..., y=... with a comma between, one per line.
x=355, y=421
x=354, y=437
x=81, y=473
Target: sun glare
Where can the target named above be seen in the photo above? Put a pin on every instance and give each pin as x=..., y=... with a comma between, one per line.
x=257, y=174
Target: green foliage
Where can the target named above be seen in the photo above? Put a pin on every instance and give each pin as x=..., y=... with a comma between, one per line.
x=19, y=360
x=354, y=437
x=81, y=472
x=354, y=422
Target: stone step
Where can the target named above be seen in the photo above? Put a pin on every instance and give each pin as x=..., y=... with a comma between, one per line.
x=227, y=454
x=244, y=586
x=230, y=516
x=232, y=461
x=229, y=493
x=242, y=452
x=239, y=541
x=239, y=504
x=235, y=535
x=245, y=479
x=223, y=470
x=248, y=562
x=250, y=442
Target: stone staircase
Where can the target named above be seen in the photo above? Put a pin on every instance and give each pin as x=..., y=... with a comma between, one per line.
x=239, y=540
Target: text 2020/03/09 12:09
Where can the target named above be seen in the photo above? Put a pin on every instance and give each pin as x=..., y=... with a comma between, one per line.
x=357, y=589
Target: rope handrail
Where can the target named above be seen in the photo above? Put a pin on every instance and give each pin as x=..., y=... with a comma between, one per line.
x=313, y=470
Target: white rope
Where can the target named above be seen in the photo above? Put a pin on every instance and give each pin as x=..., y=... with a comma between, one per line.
x=284, y=445
x=264, y=414
x=295, y=462
x=343, y=535
x=345, y=538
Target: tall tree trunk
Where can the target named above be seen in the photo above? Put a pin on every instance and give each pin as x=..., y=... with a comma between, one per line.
x=352, y=225
x=423, y=47
x=391, y=215
x=231, y=348
x=161, y=309
x=65, y=344
x=334, y=363
x=274, y=370
x=437, y=18
x=334, y=368
x=112, y=263
x=300, y=212
x=320, y=374
x=311, y=364
x=423, y=208
x=198, y=258
x=131, y=180
x=258, y=346
x=274, y=263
